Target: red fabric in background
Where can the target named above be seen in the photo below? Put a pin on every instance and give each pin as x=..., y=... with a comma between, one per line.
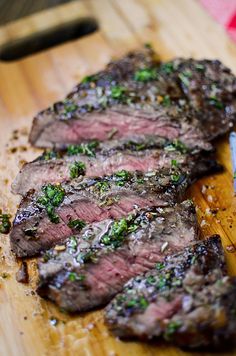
x=223, y=11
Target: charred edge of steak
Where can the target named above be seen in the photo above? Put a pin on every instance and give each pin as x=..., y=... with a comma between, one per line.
x=35, y=227
x=93, y=266
x=186, y=299
x=208, y=94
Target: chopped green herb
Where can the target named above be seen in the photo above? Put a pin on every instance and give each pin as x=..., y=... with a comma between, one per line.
x=166, y=100
x=86, y=257
x=216, y=102
x=175, y=178
x=87, y=149
x=117, y=92
x=143, y=303
x=160, y=266
x=167, y=67
x=145, y=75
x=102, y=186
x=5, y=224
x=50, y=154
x=148, y=45
x=176, y=145
x=184, y=78
x=73, y=276
x=174, y=163
x=234, y=174
x=115, y=236
x=171, y=328
x=73, y=243
x=53, y=196
x=140, y=302
x=132, y=228
x=89, y=79
x=122, y=177
x=199, y=67
x=140, y=180
x=76, y=224
x=151, y=279
x=77, y=169
x=69, y=107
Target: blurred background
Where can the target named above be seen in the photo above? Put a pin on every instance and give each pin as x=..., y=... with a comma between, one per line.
x=11, y=10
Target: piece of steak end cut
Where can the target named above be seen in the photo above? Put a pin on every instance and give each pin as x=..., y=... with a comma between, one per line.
x=184, y=99
x=92, y=267
x=186, y=299
x=37, y=228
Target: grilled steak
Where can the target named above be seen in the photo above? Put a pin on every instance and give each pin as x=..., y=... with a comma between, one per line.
x=186, y=300
x=186, y=99
x=93, y=266
x=145, y=155
x=36, y=227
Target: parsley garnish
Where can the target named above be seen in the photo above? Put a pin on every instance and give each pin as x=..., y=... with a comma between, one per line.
x=53, y=196
x=145, y=75
x=5, y=224
x=184, y=77
x=166, y=100
x=160, y=266
x=176, y=145
x=77, y=169
x=102, y=186
x=117, y=92
x=50, y=154
x=69, y=107
x=76, y=224
x=89, y=79
x=73, y=276
x=167, y=67
x=87, y=149
x=122, y=177
x=171, y=328
x=216, y=102
x=115, y=236
x=175, y=178
x=199, y=67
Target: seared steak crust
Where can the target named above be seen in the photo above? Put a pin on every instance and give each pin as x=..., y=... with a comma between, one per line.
x=187, y=99
x=187, y=299
x=107, y=254
x=92, y=200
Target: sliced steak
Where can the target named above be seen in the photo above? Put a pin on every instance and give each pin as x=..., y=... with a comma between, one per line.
x=187, y=300
x=37, y=228
x=187, y=99
x=145, y=155
x=95, y=265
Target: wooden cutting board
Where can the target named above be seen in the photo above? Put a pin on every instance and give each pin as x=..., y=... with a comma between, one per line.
x=175, y=28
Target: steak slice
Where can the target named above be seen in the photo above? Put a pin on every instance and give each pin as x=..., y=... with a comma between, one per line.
x=187, y=99
x=145, y=155
x=186, y=300
x=36, y=228
x=95, y=265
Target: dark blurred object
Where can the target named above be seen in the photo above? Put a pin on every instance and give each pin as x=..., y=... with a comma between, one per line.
x=14, y=9
x=43, y=40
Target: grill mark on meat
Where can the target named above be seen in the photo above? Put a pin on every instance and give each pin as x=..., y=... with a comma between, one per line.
x=139, y=252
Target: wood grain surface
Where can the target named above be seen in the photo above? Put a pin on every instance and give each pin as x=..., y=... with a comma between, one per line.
x=175, y=28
